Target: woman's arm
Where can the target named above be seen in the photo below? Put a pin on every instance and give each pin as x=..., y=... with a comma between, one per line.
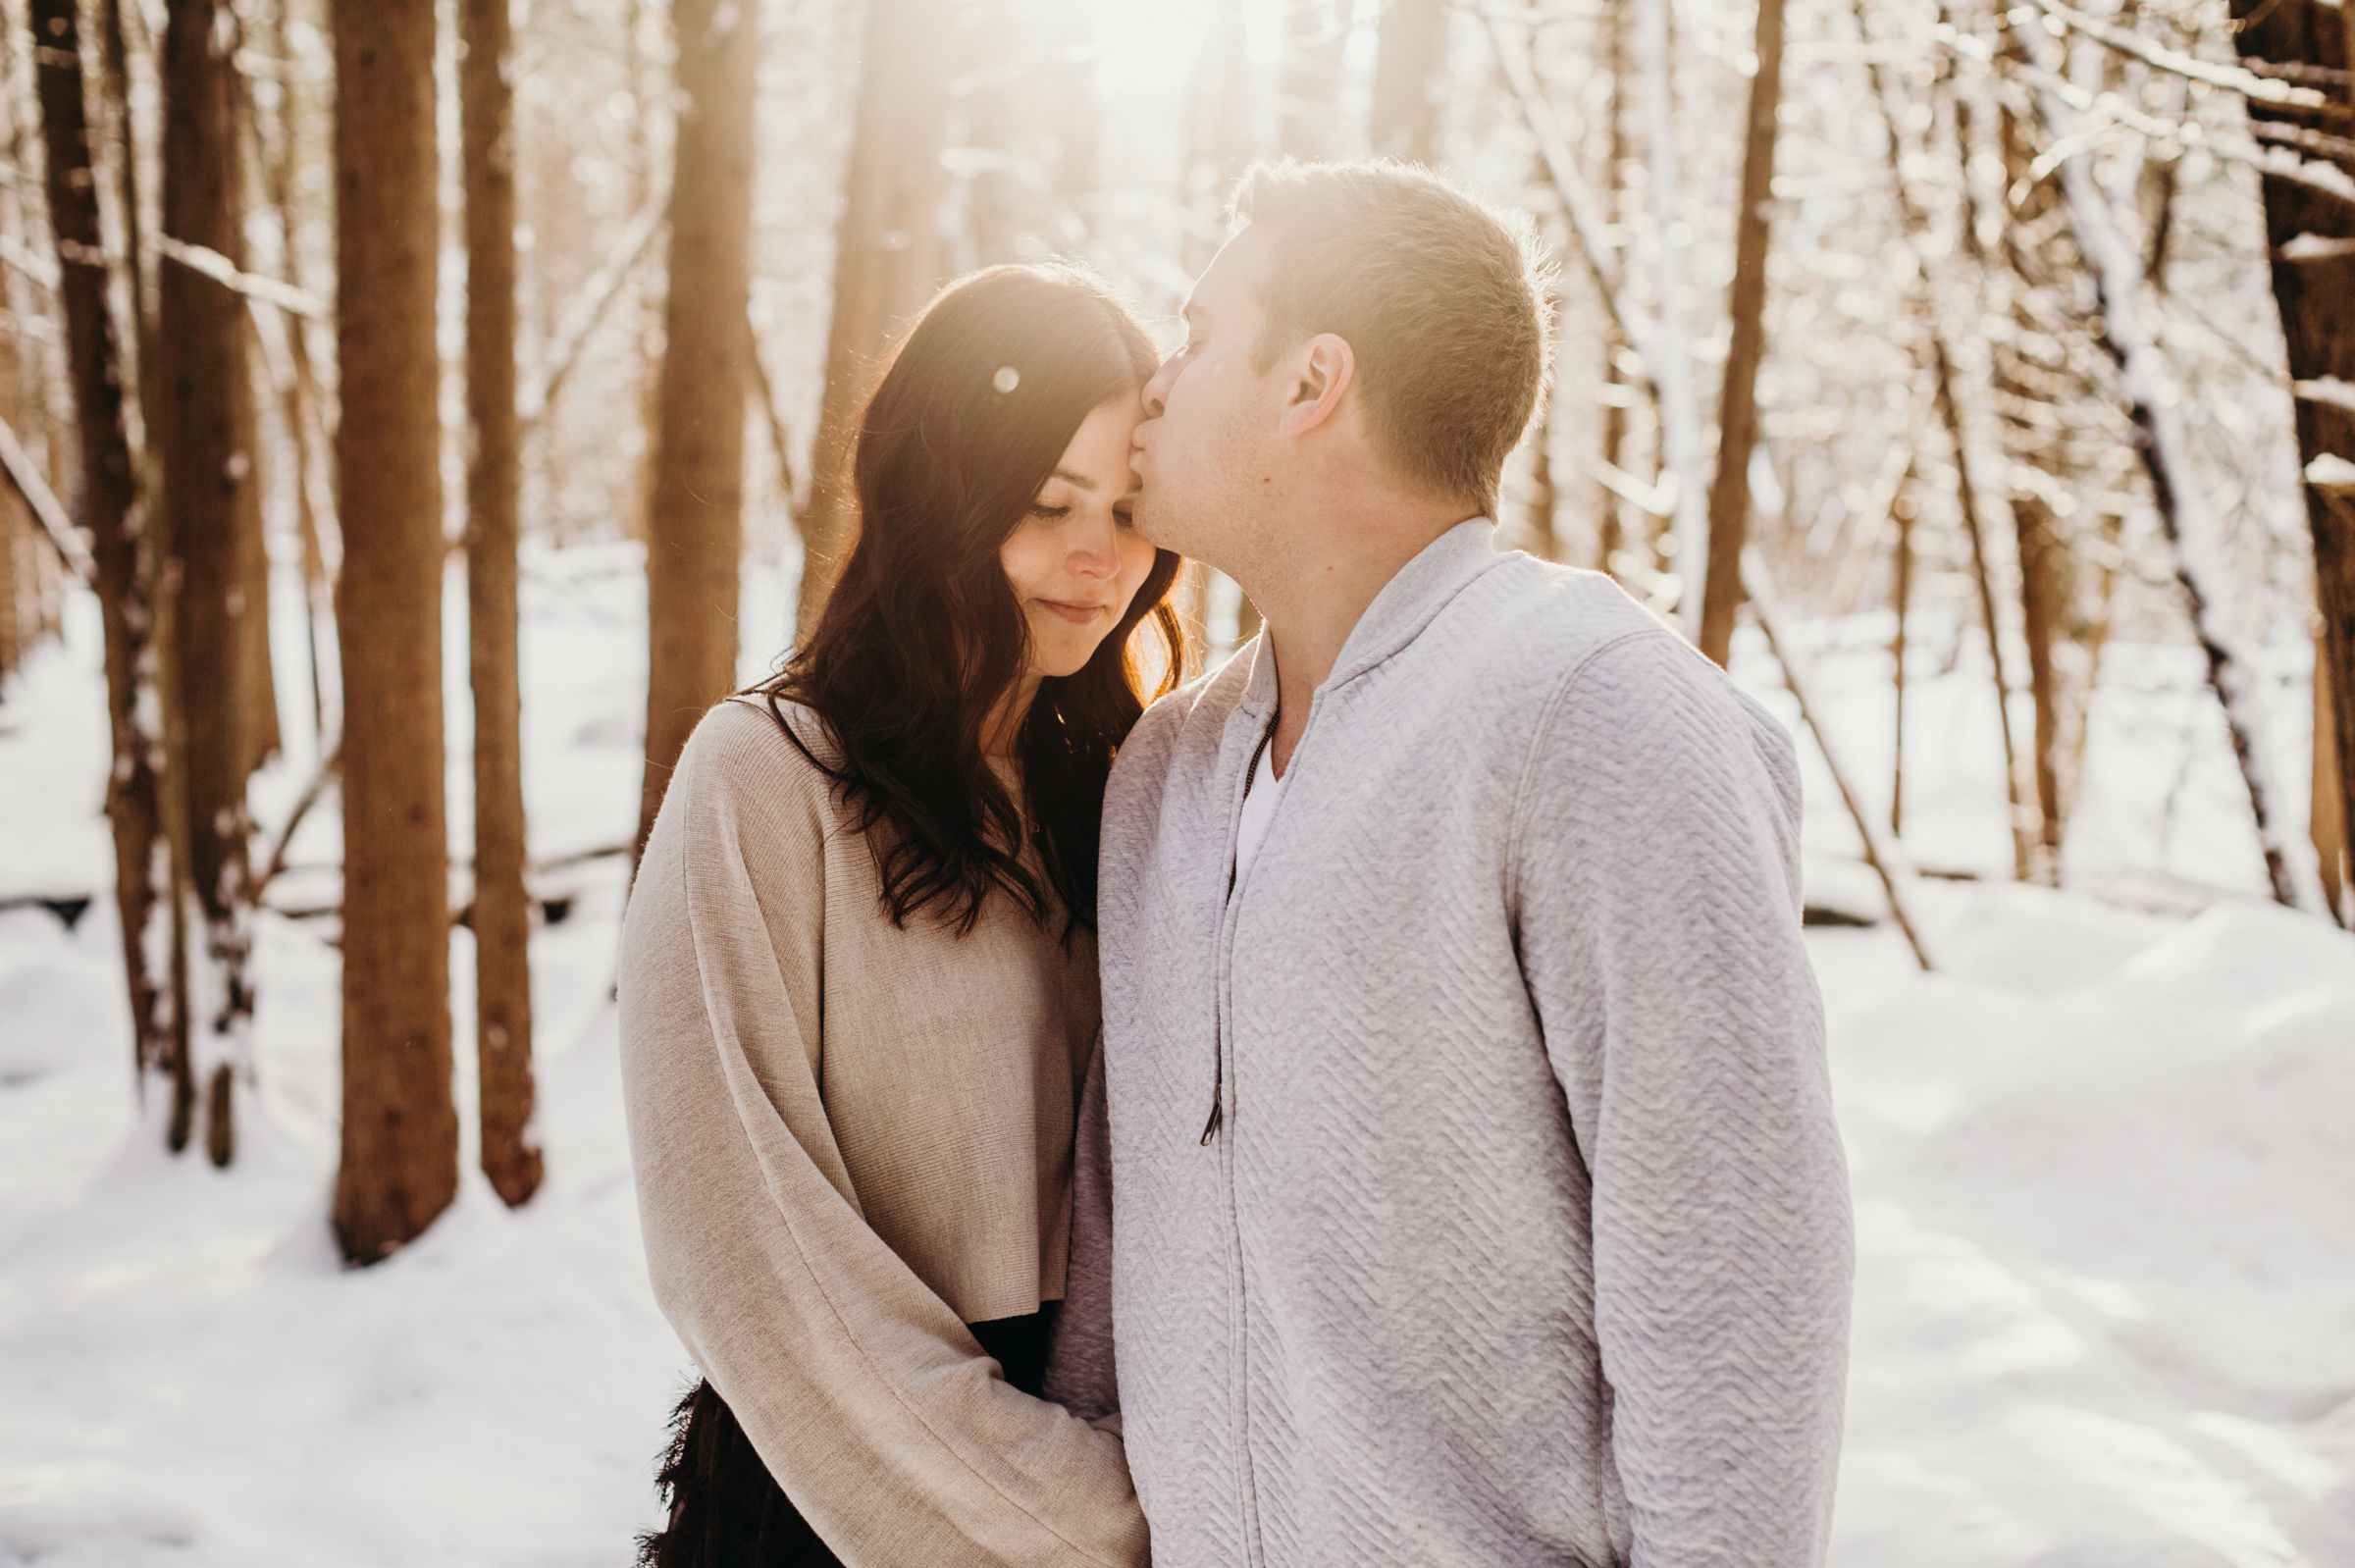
x=872, y=1404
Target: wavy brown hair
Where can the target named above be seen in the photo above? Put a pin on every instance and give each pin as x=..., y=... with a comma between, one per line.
x=923, y=634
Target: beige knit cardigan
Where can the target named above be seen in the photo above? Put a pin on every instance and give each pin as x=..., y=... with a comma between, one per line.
x=851, y=1141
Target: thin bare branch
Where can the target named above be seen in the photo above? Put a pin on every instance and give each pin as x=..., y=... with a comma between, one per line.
x=590, y=305
x=2233, y=79
x=27, y=481
x=1882, y=852
x=221, y=270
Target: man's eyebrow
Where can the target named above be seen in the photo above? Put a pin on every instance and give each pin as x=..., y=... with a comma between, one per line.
x=1069, y=478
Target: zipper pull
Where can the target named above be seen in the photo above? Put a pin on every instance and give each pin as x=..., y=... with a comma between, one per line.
x=1218, y=1115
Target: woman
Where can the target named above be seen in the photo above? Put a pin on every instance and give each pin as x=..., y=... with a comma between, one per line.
x=857, y=979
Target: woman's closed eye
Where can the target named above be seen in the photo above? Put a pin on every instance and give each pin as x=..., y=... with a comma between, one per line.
x=1050, y=514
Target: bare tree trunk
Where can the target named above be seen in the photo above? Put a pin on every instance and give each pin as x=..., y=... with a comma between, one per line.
x=1738, y=400
x=1669, y=358
x=2327, y=812
x=503, y=925
x=125, y=561
x=298, y=397
x=2032, y=394
x=1891, y=99
x=1901, y=601
x=399, y=1166
x=2183, y=509
x=1611, y=537
x=2314, y=286
x=1307, y=74
x=695, y=534
x=204, y=431
x=889, y=255
x=1411, y=49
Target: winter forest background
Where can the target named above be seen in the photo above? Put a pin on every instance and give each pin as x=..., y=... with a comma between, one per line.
x=417, y=414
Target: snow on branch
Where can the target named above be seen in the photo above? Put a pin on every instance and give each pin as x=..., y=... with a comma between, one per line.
x=2183, y=506
x=2278, y=162
x=220, y=269
x=2233, y=79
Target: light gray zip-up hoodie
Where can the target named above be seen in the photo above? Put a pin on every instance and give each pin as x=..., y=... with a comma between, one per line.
x=1520, y=1234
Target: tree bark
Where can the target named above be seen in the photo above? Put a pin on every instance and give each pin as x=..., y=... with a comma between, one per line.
x=399, y=1166
x=2316, y=297
x=120, y=549
x=1410, y=50
x=695, y=532
x=204, y=431
x=1746, y=306
x=889, y=255
x=503, y=925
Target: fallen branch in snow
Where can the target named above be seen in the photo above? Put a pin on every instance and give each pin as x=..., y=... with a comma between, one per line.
x=2182, y=507
x=29, y=483
x=1883, y=854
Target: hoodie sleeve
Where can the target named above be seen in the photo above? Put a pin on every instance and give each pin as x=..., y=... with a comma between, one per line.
x=872, y=1405
x=1655, y=895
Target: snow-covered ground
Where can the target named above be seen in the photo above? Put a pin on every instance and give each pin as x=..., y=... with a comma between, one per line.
x=2105, y=1186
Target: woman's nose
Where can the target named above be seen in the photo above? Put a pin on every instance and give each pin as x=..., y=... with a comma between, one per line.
x=1096, y=553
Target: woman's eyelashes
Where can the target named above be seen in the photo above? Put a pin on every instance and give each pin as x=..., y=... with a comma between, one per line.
x=1050, y=514
x=1124, y=517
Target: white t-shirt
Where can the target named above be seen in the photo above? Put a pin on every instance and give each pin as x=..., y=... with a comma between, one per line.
x=1259, y=809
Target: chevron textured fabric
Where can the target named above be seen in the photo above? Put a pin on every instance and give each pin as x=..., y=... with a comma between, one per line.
x=1524, y=1234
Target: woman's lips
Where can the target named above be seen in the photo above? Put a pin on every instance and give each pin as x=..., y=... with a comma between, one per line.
x=1076, y=614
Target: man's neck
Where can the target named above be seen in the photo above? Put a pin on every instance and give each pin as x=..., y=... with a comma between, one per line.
x=1311, y=609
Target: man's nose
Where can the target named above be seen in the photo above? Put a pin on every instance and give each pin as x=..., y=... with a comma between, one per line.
x=1157, y=391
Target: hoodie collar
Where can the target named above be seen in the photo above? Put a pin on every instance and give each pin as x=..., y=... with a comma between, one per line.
x=1405, y=606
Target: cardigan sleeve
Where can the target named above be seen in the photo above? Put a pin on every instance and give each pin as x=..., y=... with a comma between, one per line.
x=1656, y=901
x=877, y=1412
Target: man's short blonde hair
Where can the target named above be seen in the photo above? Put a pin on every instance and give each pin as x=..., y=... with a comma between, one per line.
x=1441, y=297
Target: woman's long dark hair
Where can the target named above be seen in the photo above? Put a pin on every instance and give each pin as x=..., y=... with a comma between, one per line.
x=923, y=634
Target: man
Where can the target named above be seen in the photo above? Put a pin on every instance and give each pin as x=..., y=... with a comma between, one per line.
x=1476, y=1196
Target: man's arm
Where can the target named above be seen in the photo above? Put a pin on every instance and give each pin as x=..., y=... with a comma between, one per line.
x=1656, y=903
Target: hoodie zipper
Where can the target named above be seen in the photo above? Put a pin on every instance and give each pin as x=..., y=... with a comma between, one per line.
x=1217, y=1046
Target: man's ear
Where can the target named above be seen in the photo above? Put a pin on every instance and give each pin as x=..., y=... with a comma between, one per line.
x=1323, y=369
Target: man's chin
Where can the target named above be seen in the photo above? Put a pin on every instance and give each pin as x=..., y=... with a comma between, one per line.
x=1162, y=524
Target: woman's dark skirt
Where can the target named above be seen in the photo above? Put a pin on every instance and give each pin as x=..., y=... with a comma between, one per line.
x=726, y=1511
